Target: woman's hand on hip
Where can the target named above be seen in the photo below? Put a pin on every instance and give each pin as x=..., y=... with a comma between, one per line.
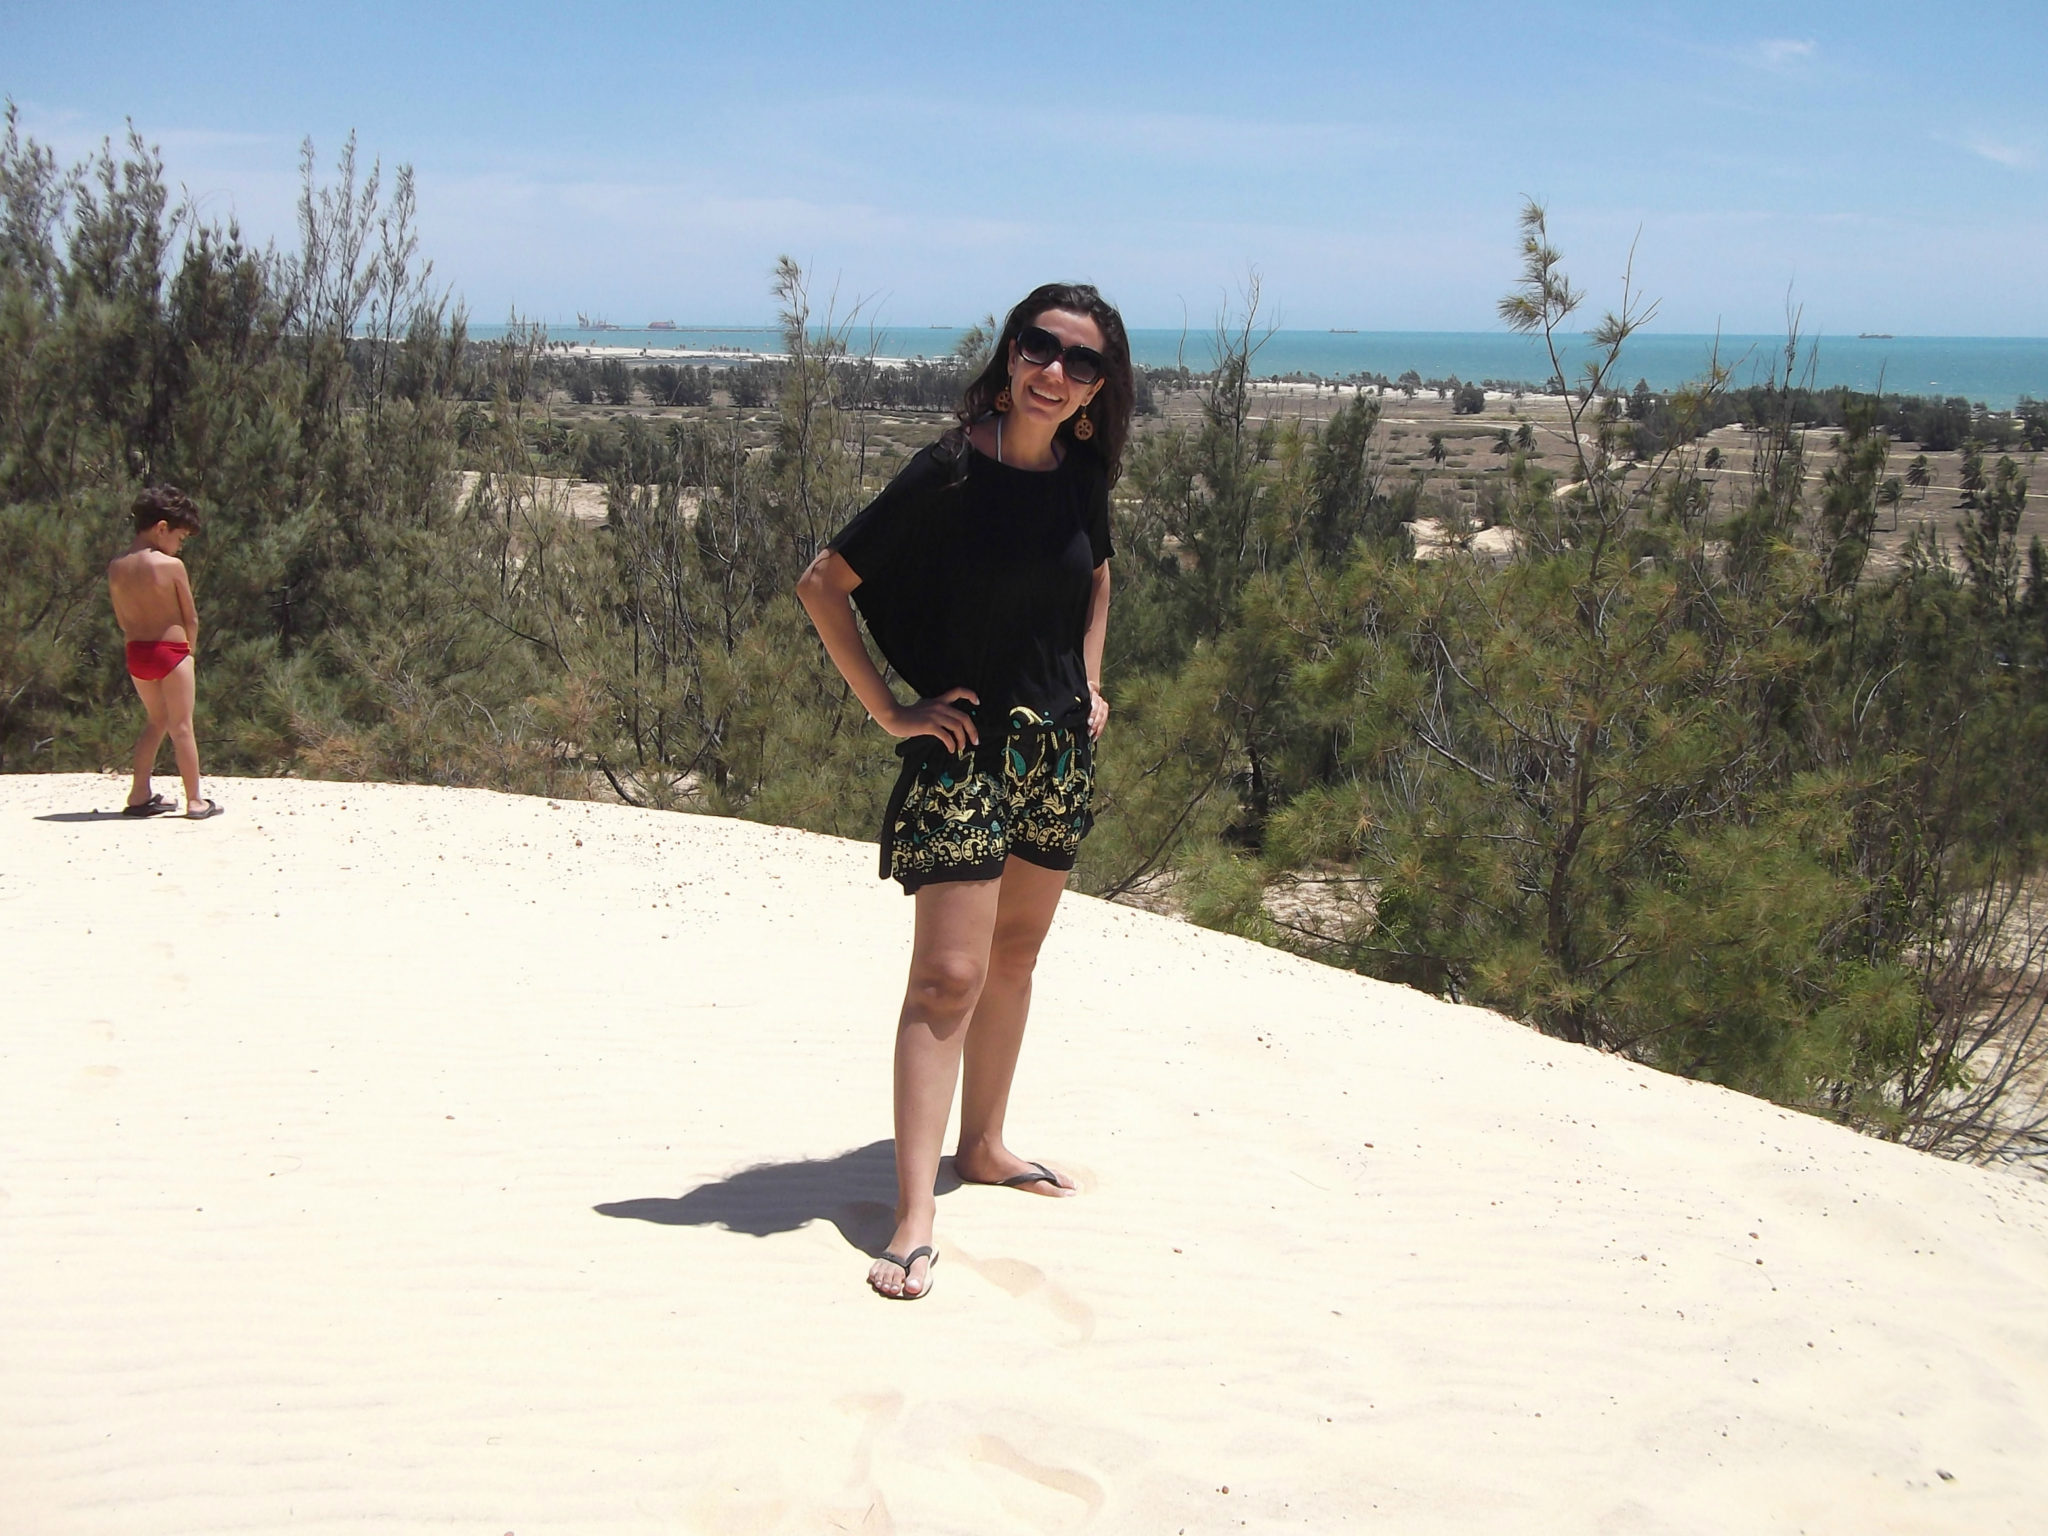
x=1098, y=712
x=937, y=717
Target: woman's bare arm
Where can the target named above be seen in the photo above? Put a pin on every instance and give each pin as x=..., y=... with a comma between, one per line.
x=826, y=591
x=1091, y=648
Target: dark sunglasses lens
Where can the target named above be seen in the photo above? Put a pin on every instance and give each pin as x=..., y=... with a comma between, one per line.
x=1083, y=364
x=1038, y=346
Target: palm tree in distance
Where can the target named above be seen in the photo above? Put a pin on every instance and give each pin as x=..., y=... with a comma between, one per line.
x=1437, y=451
x=1525, y=437
x=1973, y=474
x=1919, y=476
x=1891, y=493
x=2033, y=425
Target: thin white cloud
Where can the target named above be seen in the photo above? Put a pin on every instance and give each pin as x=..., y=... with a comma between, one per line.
x=2014, y=157
x=214, y=138
x=73, y=135
x=1783, y=54
x=1201, y=137
x=1197, y=139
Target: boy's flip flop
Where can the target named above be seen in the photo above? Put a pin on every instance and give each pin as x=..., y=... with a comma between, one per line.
x=155, y=805
x=213, y=808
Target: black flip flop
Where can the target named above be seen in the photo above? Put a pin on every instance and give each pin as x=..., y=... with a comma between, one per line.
x=155, y=805
x=1044, y=1175
x=213, y=808
x=903, y=1263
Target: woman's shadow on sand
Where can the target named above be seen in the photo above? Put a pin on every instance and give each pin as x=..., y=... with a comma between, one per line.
x=855, y=1191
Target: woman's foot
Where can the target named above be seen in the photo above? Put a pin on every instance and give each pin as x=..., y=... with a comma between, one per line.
x=999, y=1165
x=903, y=1272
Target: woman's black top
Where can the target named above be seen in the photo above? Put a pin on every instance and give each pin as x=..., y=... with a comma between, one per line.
x=982, y=580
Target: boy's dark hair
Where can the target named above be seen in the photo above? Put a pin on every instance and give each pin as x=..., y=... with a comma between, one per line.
x=165, y=504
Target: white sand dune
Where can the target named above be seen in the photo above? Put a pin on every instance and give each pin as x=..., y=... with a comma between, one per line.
x=404, y=1159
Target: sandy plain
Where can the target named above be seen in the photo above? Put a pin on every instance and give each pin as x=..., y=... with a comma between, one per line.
x=1470, y=472
x=413, y=1159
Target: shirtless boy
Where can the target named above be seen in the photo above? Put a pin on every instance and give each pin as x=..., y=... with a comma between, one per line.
x=153, y=603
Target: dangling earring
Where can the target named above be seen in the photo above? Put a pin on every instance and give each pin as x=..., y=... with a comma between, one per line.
x=1083, y=427
x=1003, y=400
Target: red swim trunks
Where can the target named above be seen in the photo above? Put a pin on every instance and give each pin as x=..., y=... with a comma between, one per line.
x=152, y=660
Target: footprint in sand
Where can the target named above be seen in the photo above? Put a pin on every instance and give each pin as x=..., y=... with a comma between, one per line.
x=727, y=1511
x=866, y=1225
x=991, y=1450
x=880, y=1409
x=755, y=1510
x=1029, y=1282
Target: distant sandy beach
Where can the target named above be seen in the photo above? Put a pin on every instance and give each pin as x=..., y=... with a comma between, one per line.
x=412, y=1159
x=597, y=351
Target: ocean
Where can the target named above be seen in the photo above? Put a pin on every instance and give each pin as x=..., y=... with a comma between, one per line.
x=1995, y=371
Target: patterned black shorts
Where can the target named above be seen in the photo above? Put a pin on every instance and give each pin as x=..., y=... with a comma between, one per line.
x=959, y=816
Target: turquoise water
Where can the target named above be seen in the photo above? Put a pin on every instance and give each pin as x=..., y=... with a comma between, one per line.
x=1993, y=370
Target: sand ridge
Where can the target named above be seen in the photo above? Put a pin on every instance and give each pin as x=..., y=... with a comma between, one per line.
x=435, y=1159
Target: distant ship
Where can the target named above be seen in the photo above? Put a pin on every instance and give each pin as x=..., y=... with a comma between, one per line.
x=1873, y=335
x=592, y=323
x=1343, y=330
x=661, y=325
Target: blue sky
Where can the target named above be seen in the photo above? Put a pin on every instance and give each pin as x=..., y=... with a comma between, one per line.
x=1886, y=165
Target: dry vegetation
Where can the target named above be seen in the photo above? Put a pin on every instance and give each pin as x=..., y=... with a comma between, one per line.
x=1406, y=426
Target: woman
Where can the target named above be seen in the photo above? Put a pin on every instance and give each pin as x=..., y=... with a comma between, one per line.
x=983, y=574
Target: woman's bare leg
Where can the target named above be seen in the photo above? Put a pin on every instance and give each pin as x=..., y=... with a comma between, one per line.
x=1029, y=896
x=948, y=961
x=151, y=691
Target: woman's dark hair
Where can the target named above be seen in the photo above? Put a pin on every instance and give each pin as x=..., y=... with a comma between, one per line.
x=1111, y=408
x=164, y=504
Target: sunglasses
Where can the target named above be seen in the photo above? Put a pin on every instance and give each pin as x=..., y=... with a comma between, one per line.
x=1039, y=347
